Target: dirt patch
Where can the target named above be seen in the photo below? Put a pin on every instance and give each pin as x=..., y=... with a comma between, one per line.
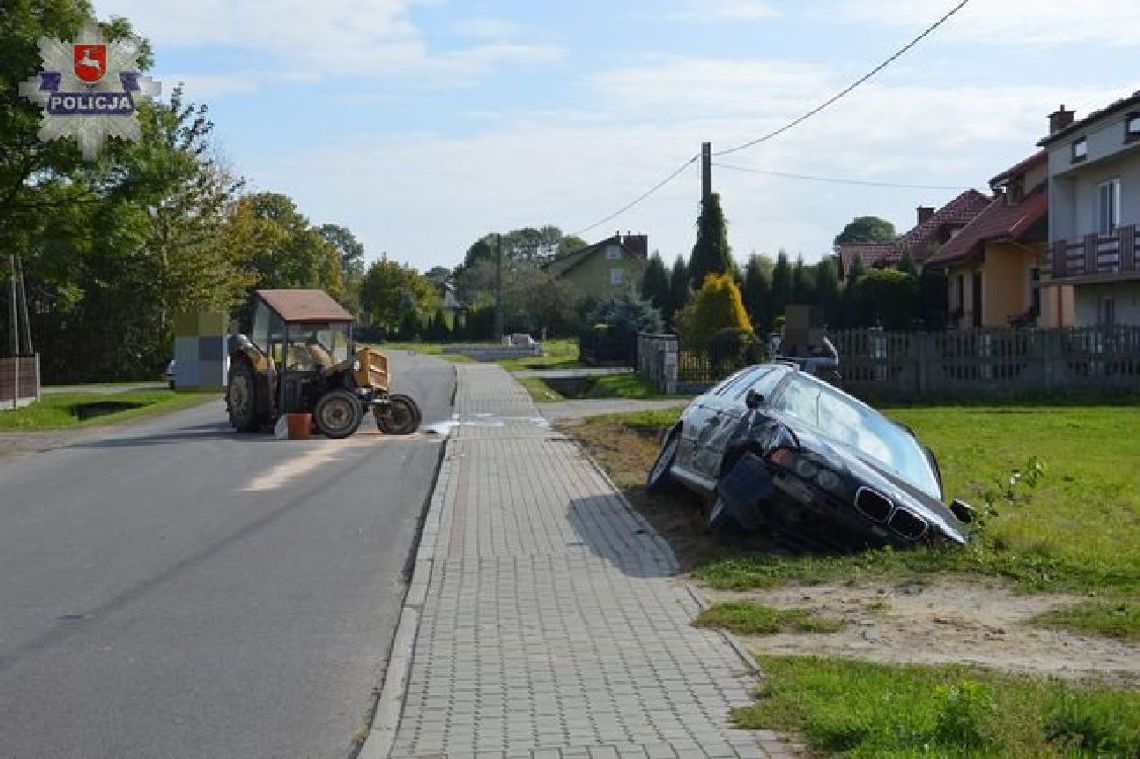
x=948, y=621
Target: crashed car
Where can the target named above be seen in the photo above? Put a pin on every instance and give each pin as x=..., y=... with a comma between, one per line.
x=772, y=447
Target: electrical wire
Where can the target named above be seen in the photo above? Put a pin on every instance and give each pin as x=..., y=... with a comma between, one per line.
x=639, y=198
x=836, y=180
x=846, y=90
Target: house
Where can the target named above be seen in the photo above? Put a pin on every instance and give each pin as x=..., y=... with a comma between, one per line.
x=1094, y=208
x=993, y=264
x=932, y=230
x=611, y=267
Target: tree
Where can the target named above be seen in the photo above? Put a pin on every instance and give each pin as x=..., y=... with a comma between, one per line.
x=803, y=283
x=827, y=294
x=884, y=297
x=301, y=257
x=907, y=264
x=655, y=283
x=438, y=274
x=757, y=291
x=391, y=290
x=711, y=253
x=715, y=307
x=782, y=285
x=866, y=229
x=678, y=290
x=350, y=249
x=627, y=315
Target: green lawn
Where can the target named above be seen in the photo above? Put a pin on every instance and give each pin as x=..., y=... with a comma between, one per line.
x=61, y=411
x=626, y=385
x=1077, y=530
x=560, y=354
x=856, y=709
x=748, y=618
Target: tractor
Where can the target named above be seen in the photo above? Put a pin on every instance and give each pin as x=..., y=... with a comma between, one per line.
x=299, y=358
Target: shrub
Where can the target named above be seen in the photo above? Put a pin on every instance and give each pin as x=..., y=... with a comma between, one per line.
x=716, y=306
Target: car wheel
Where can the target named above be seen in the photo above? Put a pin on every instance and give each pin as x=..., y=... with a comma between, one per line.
x=659, y=474
x=398, y=417
x=241, y=395
x=337, y=414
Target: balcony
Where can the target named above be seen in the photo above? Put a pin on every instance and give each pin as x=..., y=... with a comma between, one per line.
x=1095, y=258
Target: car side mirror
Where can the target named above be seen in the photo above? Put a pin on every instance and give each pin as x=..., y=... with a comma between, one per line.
x=963, y=511
x=753, y=399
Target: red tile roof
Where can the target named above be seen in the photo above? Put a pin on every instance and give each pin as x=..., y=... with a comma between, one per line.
x=958, y=212
x=997, y=222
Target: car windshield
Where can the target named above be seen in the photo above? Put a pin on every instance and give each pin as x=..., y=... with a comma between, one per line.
x=853, y=424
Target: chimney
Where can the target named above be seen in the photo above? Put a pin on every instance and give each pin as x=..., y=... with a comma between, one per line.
x=925, y=213
x=1060, y=119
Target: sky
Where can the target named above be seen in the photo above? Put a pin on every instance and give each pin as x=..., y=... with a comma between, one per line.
x=423, y=124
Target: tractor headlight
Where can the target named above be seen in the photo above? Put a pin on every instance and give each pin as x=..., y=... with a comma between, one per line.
x=356, y=365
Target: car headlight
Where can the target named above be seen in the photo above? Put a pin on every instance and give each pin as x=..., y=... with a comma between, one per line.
x=356, y=365
x=807, y=469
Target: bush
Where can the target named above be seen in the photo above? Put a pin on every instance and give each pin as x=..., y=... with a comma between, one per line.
x=729, y=344
x=716, y=306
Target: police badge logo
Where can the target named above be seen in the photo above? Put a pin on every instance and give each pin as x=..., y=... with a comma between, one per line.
x=89, y=89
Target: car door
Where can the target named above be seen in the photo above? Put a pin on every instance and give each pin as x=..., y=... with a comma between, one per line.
x=733, y=410
x=695, y=419
x=717, y=421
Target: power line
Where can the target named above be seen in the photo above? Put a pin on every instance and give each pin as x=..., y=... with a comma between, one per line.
x=835, y=180
x=845, y=91
x=639, y=198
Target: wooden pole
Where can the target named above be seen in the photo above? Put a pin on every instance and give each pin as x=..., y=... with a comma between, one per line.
x=499, y=288
x=15, y=334
x=706, y=170
x=24, y=309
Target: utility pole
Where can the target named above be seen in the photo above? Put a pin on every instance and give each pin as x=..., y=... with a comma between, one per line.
x=12, y=308
x=706, y=170
x=499, y=287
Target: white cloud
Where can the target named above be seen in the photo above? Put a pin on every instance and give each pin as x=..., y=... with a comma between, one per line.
x=487, y=27
x=329, y=38
x=726, y=10
x=1003, y=23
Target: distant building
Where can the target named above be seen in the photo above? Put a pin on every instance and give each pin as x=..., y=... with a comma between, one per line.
x=1094, y=207
x=933, y=229
x=993, y=264
x=605, y=269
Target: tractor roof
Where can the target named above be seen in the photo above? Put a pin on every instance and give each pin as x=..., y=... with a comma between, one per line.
x=305, y=305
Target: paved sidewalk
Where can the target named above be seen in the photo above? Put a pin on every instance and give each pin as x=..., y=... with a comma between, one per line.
x=549, y=622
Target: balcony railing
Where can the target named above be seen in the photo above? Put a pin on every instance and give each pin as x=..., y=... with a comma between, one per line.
x=1095, y=255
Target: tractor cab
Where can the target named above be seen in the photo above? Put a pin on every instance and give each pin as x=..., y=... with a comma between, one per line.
x=299, y=357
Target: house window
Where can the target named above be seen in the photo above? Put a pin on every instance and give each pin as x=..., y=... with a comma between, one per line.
x=1132, y=127
x=613, y=253
x=1108, y=206
x=1081, y=149
x=617, y=276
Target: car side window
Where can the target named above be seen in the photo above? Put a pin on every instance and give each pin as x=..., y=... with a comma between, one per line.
x=764, y=383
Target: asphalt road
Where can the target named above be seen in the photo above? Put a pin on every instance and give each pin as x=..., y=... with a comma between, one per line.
x=176, y=589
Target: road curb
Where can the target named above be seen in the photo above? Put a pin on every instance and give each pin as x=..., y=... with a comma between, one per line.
x=390, y=702
x=733, y=642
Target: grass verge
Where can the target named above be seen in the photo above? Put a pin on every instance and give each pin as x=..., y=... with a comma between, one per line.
x=626, y=385
x=748, y=618
x=858, y=709
x=63, y=411
x=558, y=354
x=1077, y=530
x=1113, y=618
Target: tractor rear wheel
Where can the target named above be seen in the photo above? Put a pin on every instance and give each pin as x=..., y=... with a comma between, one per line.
x=337, y=414
x=400, y=416
x=241, y=398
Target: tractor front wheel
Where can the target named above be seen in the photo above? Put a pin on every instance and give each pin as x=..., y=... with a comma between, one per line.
x=399, y=416
x=241, y=398
x=337, y=414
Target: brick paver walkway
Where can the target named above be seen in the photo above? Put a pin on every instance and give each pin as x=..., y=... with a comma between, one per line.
x=549, y=625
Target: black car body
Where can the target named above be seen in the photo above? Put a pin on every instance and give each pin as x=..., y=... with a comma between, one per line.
x=773, y=447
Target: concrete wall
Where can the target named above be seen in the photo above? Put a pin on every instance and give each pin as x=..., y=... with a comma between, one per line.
x=592, y=276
